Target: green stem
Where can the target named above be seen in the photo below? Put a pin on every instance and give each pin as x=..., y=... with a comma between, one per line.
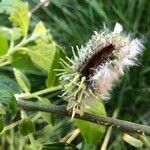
x=38, y=6
x=31, y=138
x=41, y=92
x=109, y=131
x=115, y=115
x=5, y=59
x=5, y=63
x=11, y=142
x=8, y=127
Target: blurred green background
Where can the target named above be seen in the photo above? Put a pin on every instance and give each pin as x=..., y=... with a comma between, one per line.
x=72, y=23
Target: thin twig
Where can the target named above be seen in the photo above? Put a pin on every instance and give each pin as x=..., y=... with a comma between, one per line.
x=108, y=134
x=73, y=136
x=38, y=6
x=125, y=126
x=10, y=126
x=38, y=93
x=68, y=138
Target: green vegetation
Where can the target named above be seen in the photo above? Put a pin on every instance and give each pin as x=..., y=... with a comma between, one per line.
x=30, y=50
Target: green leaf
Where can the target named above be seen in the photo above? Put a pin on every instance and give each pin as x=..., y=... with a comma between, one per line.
x=45, y=57
x=42, y=56
x=10, y=33
x=7, y=98
x=20, y=17
x=8, y=5
x=46, y=54
x=9, y=84
x=1, y=123
x=52, y=79
x=41, y=32
x=19, y=13
x=7, y=89
x=22, y=80
x=26, y=127
x=132, y=141
x=91, y=132
x=3, y=44
x=23, y=61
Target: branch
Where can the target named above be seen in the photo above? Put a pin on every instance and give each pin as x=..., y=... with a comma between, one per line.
x=125, y=126
x=39, y=5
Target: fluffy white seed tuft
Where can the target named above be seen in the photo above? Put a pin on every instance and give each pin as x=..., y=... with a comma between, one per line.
x=96, y=66
x=124, y=55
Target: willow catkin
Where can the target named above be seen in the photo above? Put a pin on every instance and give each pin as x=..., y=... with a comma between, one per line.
x=96, y=66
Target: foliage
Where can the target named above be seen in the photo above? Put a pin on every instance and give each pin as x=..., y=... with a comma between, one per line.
x=29, y=56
